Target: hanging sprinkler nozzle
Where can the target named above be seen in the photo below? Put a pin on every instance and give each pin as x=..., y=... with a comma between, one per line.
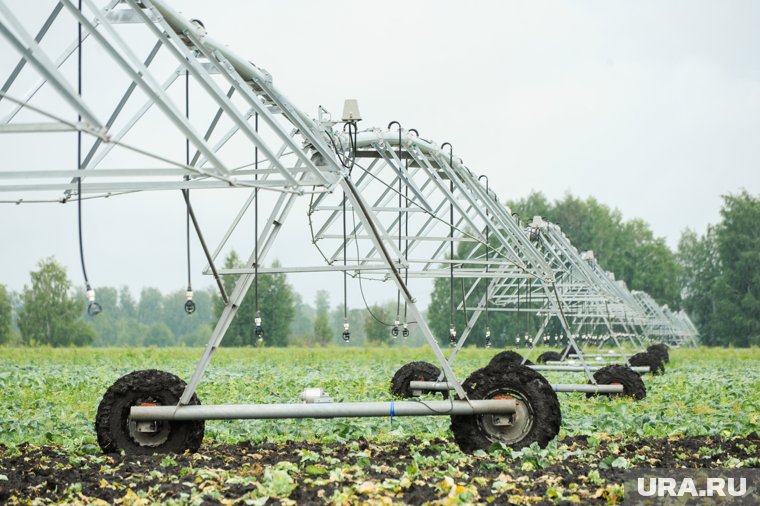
x=346, y=332
x=488, y=337
x=189, y=304
x=452, y=335
x=405, y=331
x=394, y=330
x=93, y=308
x=259, y=331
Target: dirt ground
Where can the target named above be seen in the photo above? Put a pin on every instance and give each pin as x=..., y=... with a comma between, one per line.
x=580, y=469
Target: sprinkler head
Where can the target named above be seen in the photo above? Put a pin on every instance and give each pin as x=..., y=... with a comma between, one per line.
x=452, y=335
x=93, y=308
x=394, y=330
x=346, y=332
x=259, y=330
x=405, y=331
x=189, y=304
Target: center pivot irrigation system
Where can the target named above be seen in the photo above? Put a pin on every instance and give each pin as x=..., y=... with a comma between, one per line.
x=382, y=205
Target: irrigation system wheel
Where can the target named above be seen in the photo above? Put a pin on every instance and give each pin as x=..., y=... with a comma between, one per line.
x=661, y=350
x=116, y=431
x=633, y=385
x=507, y=359
x=645, y=358
x=548, y=356
x=536, y=420
x=413, y=371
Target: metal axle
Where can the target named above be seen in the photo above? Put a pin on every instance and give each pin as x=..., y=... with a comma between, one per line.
x=442, y=386
x=577, y=368
x=602, y=355
x=322, y=410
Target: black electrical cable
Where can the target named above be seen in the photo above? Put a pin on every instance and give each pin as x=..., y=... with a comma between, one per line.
x=405, y=330
x=529, y=314
x=400, y=161
x=517, y=325
x=256, y=219
x=395, y=329
x=258, y=328
x=93, y=307
x=452, y=327
x=189, y=303
x=353, y=133
x=464, y=304
x=488, y=279
x=346, y=331
x=361, y=287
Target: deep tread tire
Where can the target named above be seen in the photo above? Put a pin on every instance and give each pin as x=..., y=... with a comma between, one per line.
x=656, y=367
x=162, y=388
x=413, y=371
x=507, y=359
x=661, y=350
x=520, y=382
x=633, y=386
x=548, y=356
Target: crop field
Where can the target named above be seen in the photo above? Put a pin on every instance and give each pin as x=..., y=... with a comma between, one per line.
x=704, y=412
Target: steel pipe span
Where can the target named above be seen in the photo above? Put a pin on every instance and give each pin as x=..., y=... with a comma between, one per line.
x=322, y=410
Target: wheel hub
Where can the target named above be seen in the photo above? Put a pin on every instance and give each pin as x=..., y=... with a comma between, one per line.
x=510, y=428
x=148, y=433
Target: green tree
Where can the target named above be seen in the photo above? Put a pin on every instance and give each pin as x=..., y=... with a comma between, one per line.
x=6, y=315
x=377, y=332
x=737, y=290
x=303, y=321
x=699, y=273
x=439, y=313
x=159, y=335
x=49, y=315
x=108, y=298
x=629, y=249
x=276, y=307
x=127, y=306
x=150, y=309
x=322, y=331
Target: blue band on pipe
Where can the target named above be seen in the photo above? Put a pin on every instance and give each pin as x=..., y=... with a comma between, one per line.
x=393, y=409
x=556, y=388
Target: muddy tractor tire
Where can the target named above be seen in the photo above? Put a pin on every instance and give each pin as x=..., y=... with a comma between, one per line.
x=661, y=350
x=537, y=419
x=507, y=359
x=548, y=356
x=413, y=371
x=656, y=366
x=116, y=431
x=633, y=386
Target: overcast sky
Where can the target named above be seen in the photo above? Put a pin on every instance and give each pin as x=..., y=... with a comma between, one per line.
x=651, y=107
